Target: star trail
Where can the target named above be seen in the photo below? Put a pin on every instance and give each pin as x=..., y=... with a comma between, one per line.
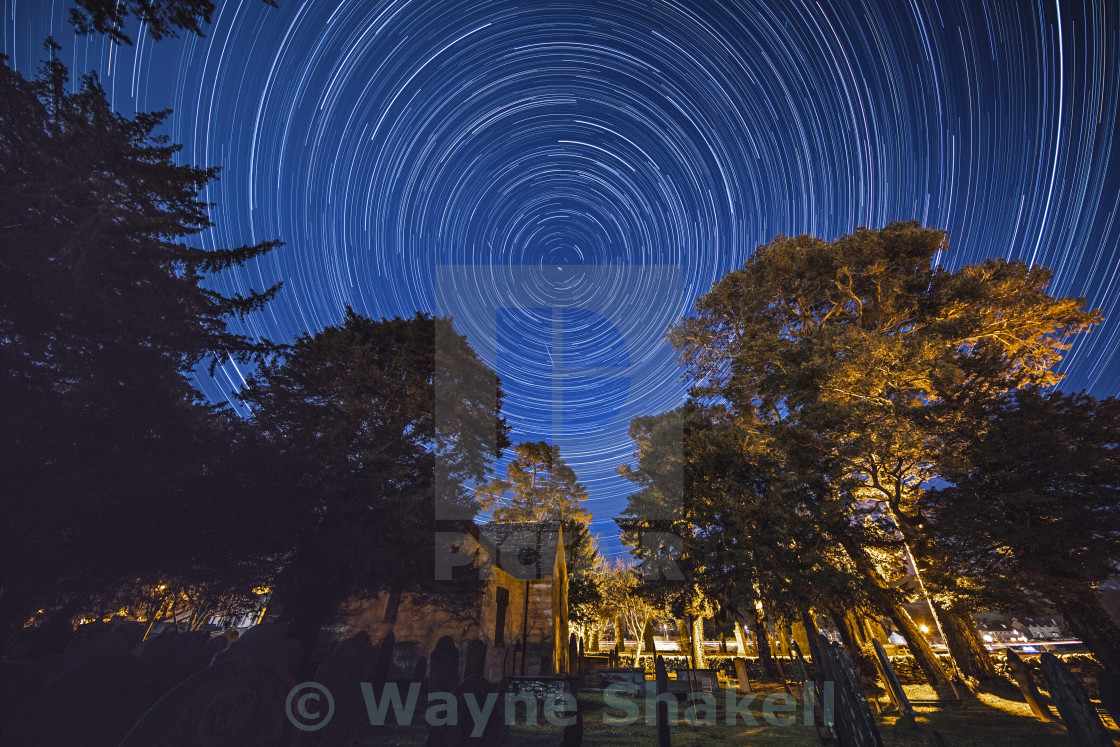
x=565, y=178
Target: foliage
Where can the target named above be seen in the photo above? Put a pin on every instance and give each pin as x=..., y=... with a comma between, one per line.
x=162, y=18
x=869, y=357
x=539, y=486
x=112, y=468
x=746, y=529
x=628, y=598
x=386, y=422
x=585, y=575
x=1033, y=504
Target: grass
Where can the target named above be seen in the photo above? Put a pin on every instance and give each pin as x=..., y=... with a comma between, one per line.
x=997, y=719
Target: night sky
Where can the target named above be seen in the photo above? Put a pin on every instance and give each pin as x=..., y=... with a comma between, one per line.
x=565, y=178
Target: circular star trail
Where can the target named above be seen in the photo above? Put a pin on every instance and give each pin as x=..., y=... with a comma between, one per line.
x=566, y=177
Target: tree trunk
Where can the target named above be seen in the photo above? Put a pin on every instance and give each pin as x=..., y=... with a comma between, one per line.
x=862, y=658
x=757, y=625
x=619, y=640
x=784, y=635
x=647, y=637
x=684, y=636
x=920, y=649
x=809, y=621
x=699, y=660
x=962, y=636
x=1088, y=620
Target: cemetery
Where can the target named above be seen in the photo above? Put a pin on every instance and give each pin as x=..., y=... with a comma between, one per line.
x=605, y=374
x=393, y=684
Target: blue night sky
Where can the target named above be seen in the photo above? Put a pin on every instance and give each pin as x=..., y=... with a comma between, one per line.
x=564, y=178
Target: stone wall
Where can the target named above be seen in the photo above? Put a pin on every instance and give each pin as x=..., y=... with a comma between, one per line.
x=418, y=626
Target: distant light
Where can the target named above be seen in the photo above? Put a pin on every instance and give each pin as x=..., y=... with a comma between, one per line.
x=924, y=628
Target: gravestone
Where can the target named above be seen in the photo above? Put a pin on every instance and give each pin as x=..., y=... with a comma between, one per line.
x=741, y=674
x=695, y=680
x=474, y=659
x=420, y=671
x=461, y=734
x=1026, y=685
x=894, y=687
x=607, y=675
x=342, y=673
x=573, y=733
x=662, y=678
x=444, y=674
x=573, y=655
x=1077, y=711
x=132, y=632
x=97, y=643
x=238, y=701
x=853, y=723
x=380, y=672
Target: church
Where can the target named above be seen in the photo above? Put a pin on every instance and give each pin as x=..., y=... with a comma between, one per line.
x=521, y=614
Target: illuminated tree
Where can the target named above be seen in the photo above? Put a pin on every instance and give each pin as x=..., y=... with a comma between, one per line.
x=874, y=357
x=539, y=486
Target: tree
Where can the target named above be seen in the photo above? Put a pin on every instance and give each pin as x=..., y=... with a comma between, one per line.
x=1033, y=509
x=748, y=534
x=162, y=18
x=107, y=454
x=626, y=599
x=539, y=486
x=386, y=420
x=875, y=358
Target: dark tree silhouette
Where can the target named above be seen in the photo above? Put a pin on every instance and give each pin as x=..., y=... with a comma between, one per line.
x=163, y=18
x=103, y=311
x=384, y=420
x=1034, y=509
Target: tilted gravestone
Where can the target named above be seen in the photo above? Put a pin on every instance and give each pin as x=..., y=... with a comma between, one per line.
x=1026, y=685
x=342, y=673
x=267, y=641
x=169, y=659
x=381, y=662
x=853, y=722
x=894, y=687
x=492, y=733
x=1077, y=711
x=238, y=701
x=444, y=667
x=741, y=674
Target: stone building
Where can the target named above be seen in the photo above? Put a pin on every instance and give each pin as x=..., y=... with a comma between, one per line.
x=516, y=561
